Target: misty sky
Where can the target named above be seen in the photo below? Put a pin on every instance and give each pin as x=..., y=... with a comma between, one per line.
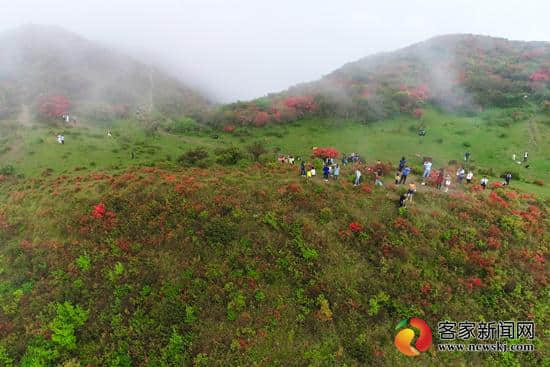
x=247, y=48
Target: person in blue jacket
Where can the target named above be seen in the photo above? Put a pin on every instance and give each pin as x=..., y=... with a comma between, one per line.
x=404, y=174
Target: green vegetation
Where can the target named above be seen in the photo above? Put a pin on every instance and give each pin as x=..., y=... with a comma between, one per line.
x=35, y=151
x=257, y=265
x=179, y=240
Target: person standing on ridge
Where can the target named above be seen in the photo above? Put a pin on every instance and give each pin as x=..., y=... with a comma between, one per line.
x=336, y=172
x=427, y=170
x=302, y=169
x=357, y=177
x=326, y=171
x=484, y=181
x=508, y=177
x=460, y=174
x=525, y=156
x=405, y=174
x=439, y=181
x=447, y=182
x=402, y=164
x=469, y=177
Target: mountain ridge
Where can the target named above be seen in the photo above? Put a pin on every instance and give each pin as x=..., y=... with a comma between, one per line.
x=41, y=61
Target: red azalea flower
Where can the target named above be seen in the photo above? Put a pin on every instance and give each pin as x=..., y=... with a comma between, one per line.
x=355, y=227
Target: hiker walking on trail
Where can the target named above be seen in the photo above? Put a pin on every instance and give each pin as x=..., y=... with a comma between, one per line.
x=302, y=169
x=525, y=156
x=336, y=172
x=109, y=134
x=313, y=172
x=62, y=139
x=357, y=177
x=397, y=177
x=405, y=174
x=484, y=181
x=402, y=164
x=467, y=156
x=508, y=177
x=439, y=180
x=469, y=177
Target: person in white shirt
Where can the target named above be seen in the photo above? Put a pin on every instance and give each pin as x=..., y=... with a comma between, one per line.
x=484, y=181
x=469, y=177
x=357, y=178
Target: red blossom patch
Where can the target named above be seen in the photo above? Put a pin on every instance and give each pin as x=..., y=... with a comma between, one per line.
x=542, y=75
x=99, y=211
x=355, y=227
x=494, y=198
x=493, y=243
x=473, y=282
x=326, y=153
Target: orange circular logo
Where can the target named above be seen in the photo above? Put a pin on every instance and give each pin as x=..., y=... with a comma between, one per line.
x=403, y=339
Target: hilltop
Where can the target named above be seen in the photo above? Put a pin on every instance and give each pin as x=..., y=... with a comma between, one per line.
x=457, y=73
x=42, y=62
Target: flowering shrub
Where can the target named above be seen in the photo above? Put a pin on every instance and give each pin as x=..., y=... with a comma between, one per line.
x=473, y=282
x=99, y=211
x=355, y=227
x=496, y=185
x=261, y=118
x=229, y=128
x=418, y=113
x=366, y=189
x=326, y=153
x=300, y=103
x=494, y=198
x=542, y=75
x=493, y=243
x=53, y=106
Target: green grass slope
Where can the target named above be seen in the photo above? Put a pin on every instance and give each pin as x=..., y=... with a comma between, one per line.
x=492, y=137
x=257, y=266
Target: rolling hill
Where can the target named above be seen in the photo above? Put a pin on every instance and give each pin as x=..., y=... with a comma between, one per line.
x=457, y=73
x=40, y=62
x=176, y=247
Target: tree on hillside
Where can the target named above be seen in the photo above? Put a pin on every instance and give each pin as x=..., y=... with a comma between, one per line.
x=257, y=149
x=51, y=107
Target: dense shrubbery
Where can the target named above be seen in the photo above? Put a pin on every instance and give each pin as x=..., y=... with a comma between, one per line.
x=171, y=269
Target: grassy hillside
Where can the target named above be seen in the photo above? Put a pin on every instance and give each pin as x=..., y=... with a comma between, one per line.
x=459, y=73
x=257, y=266
x=38, y=62
x=492, y=137
x=112, y=261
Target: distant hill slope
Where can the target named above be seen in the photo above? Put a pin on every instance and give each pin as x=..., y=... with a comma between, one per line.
x=463, y=73
x=40, y=61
